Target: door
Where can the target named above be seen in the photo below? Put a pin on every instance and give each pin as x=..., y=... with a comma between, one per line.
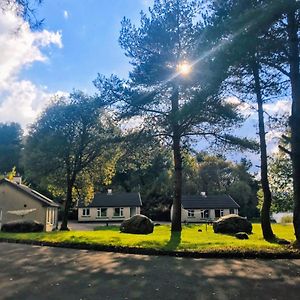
x=217, y=213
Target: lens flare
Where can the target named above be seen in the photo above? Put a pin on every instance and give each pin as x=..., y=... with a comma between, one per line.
x=184, y=68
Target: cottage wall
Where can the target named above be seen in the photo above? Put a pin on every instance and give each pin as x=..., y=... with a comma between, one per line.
x=197, y=214
x=13, y=199
x=110, y=214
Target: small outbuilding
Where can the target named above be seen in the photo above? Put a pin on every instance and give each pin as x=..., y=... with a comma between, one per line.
x=19, y=202
x=110, y=207
x=198, y=208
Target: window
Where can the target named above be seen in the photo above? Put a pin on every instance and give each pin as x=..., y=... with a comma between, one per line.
x=204, y=214
x=102, y=212
x=85, y=212
x=50, y=216
x=231, y=211
x=191, y=213
x=219, y=213
x=118, y=212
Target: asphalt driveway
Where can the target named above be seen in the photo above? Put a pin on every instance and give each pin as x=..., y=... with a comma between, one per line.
x=32, y=272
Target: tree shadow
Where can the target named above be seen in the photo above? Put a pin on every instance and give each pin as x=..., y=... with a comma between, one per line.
x=75, y=274
x=175, y=240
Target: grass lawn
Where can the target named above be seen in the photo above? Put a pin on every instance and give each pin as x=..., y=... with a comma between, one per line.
x=161, y=239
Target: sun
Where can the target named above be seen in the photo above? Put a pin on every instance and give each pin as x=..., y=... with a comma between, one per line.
x=184, y=68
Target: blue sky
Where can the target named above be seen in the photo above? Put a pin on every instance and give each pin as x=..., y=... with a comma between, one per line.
x=90, y=31
x=79, y=39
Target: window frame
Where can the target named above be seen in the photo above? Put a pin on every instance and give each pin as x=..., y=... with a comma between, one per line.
x=86, y=212
x=100, y=210
x=121, y=212
x=191, y=213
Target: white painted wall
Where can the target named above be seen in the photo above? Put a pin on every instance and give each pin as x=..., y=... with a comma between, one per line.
x=110, y=214
x=197, y=214
x=13, y=199
x=278, y=216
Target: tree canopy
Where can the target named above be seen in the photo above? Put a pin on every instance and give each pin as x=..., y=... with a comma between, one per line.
x=11, y=135
x=65, y=145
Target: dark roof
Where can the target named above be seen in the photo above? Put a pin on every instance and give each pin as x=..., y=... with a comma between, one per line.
x=30, y=192
x=114, y=200
x=214, y=201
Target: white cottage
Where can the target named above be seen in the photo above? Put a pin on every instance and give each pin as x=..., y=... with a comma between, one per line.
x=19, y=202
x=199, y=208
x=110, y=207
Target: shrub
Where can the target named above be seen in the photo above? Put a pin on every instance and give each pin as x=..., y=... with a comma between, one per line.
x=22, y=226
x=287, y=219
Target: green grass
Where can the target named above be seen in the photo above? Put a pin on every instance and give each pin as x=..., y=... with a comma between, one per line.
x=189, y=240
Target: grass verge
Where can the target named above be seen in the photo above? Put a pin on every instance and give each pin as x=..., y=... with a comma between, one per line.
x=189, y=242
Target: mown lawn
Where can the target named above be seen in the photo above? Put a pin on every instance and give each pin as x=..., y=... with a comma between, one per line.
x=189, y=240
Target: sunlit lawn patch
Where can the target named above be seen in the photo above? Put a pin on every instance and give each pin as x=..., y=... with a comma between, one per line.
x=161, y=239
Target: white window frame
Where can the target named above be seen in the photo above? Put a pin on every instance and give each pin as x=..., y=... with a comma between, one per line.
x=50, y=215
x=121, y=212
x=191, y=213
x=99, y=212
x=221, y=212
x=86, y=212
x=202, y=214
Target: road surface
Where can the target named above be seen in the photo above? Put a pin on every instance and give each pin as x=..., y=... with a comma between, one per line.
x=32, y=272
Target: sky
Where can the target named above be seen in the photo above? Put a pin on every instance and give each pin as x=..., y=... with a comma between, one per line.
x=78, y=40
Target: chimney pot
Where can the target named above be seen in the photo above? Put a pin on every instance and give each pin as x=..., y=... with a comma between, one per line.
x=17, y=179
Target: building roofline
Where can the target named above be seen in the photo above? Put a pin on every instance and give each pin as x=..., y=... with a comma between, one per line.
x=45, y=201
x=92, y=204
x=198, y=198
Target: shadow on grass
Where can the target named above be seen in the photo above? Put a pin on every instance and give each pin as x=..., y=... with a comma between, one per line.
x=279, y=241
x=175, y=240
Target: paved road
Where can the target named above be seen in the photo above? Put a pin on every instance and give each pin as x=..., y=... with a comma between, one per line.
x=32, y=272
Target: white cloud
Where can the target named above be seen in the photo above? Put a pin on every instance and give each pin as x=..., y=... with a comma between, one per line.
x=21, y=100
x=282, y=106
x=147, y=3
x=243, y=107
x=66, y=14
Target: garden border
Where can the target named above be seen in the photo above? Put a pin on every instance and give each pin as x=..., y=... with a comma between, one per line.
x=289, y=254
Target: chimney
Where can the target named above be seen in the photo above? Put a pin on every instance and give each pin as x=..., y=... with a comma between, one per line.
x=203, y=194
x=109, y=192
x=17, y=179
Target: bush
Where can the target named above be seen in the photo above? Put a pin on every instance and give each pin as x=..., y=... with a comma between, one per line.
x=286, y=219
x=22, y=226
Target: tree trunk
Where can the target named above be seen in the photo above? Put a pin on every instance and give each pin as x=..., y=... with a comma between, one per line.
x=68, y=202
x=295, y=117
x=265, y=211
x=176, y=217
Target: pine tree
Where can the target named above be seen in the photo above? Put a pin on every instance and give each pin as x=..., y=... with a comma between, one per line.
x=173, y=91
